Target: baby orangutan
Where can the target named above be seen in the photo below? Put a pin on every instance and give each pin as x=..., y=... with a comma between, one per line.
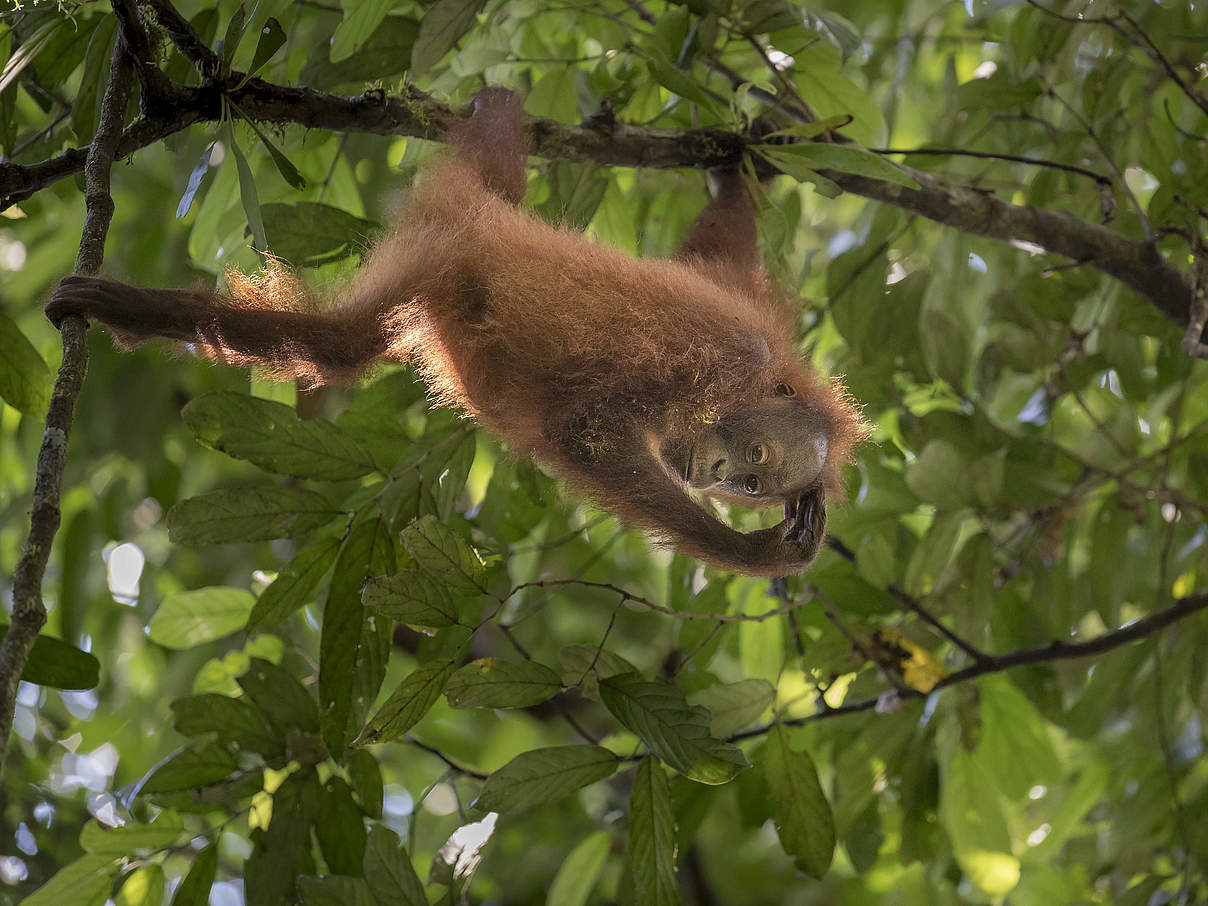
x=634, y=379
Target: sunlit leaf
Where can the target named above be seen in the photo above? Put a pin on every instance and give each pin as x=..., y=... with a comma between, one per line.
x=190, y=618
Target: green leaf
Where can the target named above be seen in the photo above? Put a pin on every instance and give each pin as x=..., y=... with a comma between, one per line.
x=57, y=665
x=232, y=37
x=939, y=475
x=190, y=618
x=388, y=871
x=846, y=159
x=409, y=702
x=248, y=514
x=232, y=719
x=816, y=71
x=309, y=234
x=93, y=79
x=247, y=189
x=340, y=828
x=542, y=776
x=272, y=436
x=142, y=887
x=333, y=891
x=577, y=875
x=24, y=377
x=189, y=769
x=803, y=816
x=651, y=849
x=442, y=26
x=283, y=164
x=294, y=585
x=84, y=882
x=342, y=639
x=386, y=52
x=365, y=775
x=412, y=597
x=283, y=851
x=678, y=82
x=126, y=839
x=272, y=37
x=676, y=733
x=445, y=555
x=280, y=697
x=799, y=168
x=733, y=706
x=29, y=49
x=1016, y=747
x=575, y=192
x=972, y=813
x=361, y=20
x=194, y=890
x=491, y=682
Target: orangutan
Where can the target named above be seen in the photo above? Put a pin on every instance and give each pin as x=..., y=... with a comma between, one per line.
x=635, y=379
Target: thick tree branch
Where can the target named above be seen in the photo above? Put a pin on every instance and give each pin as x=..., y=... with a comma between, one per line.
x=29, y=611
x=1136, y=264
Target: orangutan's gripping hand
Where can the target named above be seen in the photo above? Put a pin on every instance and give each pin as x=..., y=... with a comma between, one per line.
x=795, y=542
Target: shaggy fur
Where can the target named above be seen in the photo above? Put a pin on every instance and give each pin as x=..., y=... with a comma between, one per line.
x=574, y=353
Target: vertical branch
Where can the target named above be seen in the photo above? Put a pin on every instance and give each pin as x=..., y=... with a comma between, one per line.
x=29, y=611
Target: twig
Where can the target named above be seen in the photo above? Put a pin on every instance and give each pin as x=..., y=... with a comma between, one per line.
x=1054, y=651
x=29, y=610
x=913, y=605
x=647, y=603
x=453, y=765
x=987, y=155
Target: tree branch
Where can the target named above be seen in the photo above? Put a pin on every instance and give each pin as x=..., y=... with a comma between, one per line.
x=29, y=610
x=1138, y=265
x=997, y=663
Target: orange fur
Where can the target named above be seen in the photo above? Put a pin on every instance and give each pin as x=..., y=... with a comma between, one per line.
x=571, y=352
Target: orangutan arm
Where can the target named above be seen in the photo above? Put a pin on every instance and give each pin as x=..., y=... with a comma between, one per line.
x=636, y=485
x=724, y=231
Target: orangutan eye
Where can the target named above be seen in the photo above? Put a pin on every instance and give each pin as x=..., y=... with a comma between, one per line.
x=751, y=483
x=758, y=453
x=783, y=389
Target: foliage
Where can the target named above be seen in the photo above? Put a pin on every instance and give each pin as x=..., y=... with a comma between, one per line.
x=402, y=667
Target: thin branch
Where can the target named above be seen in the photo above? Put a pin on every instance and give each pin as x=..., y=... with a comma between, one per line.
x=987, y=155
x=1054, y=651
x=186, y=39
x=29, y=610
x=453, y=765
x=912, y=604
x=659, y=608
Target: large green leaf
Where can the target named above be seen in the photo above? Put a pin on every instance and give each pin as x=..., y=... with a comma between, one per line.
x=248, y=514
x=444, y=22
x=444, y=555
x=84, y=882
x=408, y=703
x=542, y=776
x=295, y=584
x=412, y=597
x=24, y=377
x=651, y=849
x=803, y=816
x=190, y=618
x=495, y=683
x=678, y=734
x=58, y=665
x=273, y=437
x=388, y=871
x=310, y=234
